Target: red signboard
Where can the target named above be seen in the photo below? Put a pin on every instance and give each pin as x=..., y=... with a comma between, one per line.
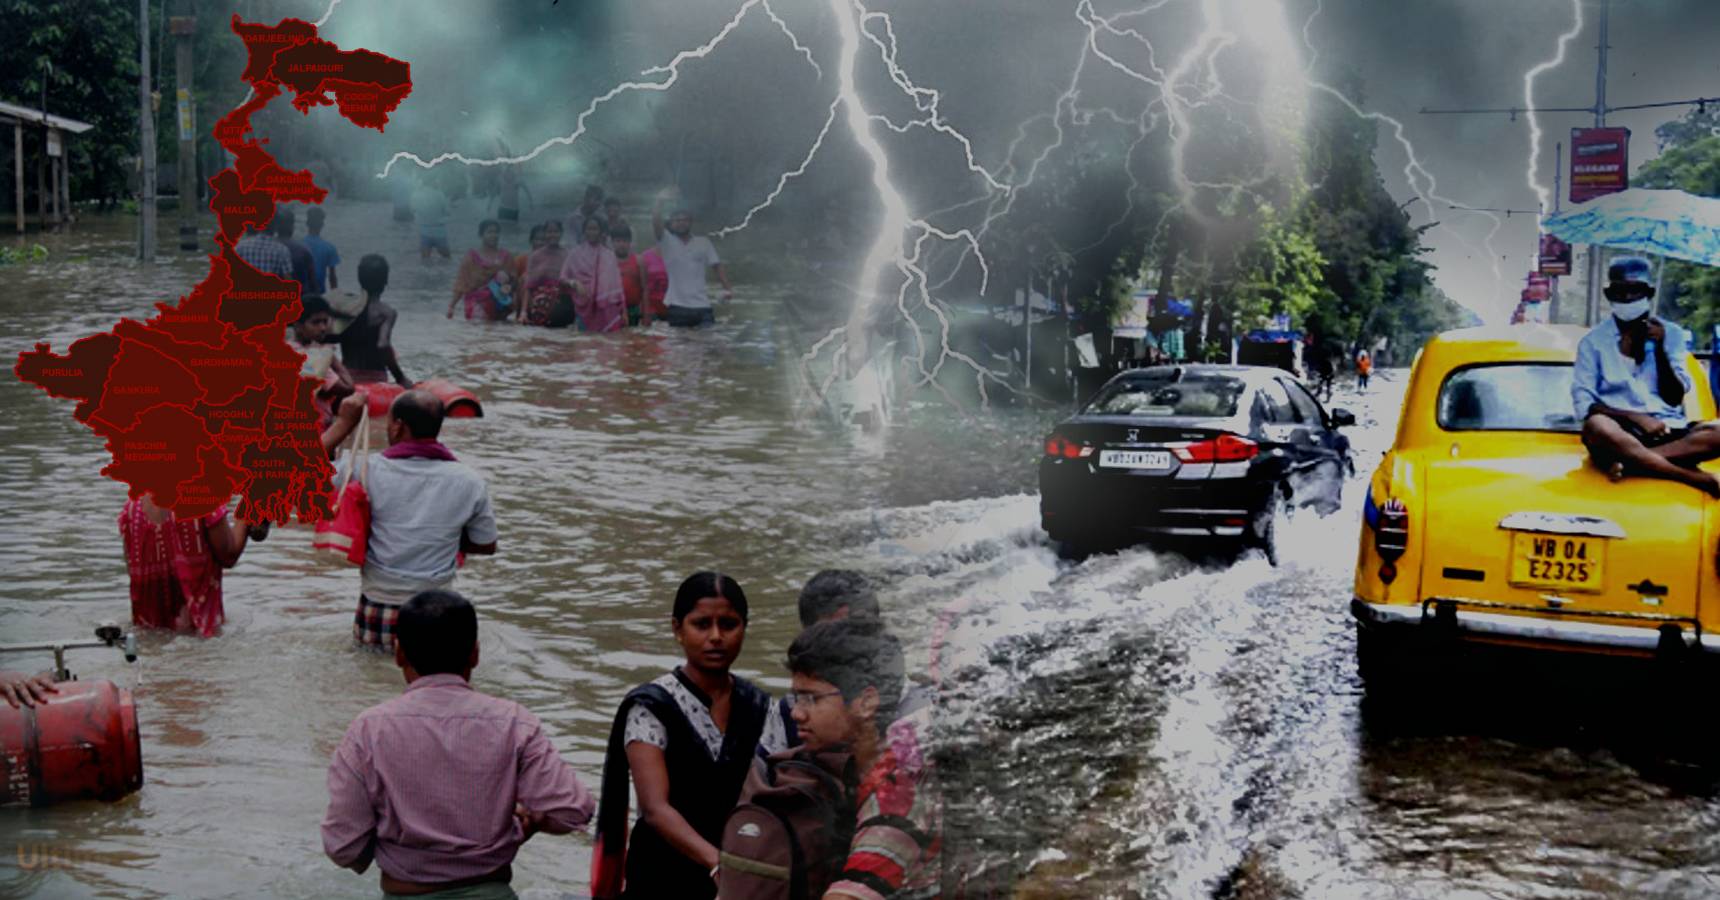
x=1555, y=256
x=1539, y=288
x=1599, y=162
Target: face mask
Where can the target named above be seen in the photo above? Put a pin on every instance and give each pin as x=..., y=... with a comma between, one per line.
x=1631, y=311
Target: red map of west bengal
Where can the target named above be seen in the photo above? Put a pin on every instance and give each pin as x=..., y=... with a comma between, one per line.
x=205, y=400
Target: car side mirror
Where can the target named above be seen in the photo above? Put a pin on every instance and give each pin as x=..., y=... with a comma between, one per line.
x=1342, y=418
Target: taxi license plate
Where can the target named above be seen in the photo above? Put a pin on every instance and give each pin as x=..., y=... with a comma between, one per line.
x=1135, y=459
x=1563, y=562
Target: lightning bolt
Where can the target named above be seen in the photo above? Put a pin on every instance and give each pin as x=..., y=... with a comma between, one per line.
x=792, y=39
x=329, y=12
x=1542, y=195
x=671, y=69
x=1415, y=173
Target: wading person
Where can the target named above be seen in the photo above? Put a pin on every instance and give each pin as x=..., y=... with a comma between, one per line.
x=323, y=253
x=1628, y=389
x=367, y=345
x=306, y=337
x=593, y=275
x=261, y=250
x=476, y=282
x=633, y=286
x=687, y=739
x=426, y=508
x=686, y=257
x=175, y=564
x=547, y=300
x=304, y=264
x=847, y=675
x=441, y=785
x=430, y=209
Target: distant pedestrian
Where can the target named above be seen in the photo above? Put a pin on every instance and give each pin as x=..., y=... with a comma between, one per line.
x=1364, y=368
x=426, y=508
x=442, y=785
x=304, y=265
x=545, y=299
x=367, y=344
x=484, y=279
x=594, y=276
x=686, y=257
x=430, y=208
x=591, y=205
x=612, y=216
x=508, y=189
x=323, y=254
x=633, y=285
x=687, y=738
x=262, y=251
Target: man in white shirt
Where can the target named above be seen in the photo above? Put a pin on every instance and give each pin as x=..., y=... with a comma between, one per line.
x=426, y=507
x=686, y=257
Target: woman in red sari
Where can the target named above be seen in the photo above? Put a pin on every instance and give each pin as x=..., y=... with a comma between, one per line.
x=477, y=270
x=175, y=565
x=548, y=301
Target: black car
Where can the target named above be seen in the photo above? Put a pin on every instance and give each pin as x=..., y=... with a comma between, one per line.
x=1201, y=451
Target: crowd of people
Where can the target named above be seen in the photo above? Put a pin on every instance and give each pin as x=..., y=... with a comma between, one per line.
x=440, y=786
x=599, y=283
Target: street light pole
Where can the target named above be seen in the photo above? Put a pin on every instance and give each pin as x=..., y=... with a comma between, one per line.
x=184, y=28
x=146, y=121
x=1594, y=303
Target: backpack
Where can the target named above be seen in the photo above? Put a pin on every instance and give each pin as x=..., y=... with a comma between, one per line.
x=788, y=835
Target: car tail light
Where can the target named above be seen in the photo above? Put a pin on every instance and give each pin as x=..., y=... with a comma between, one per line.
x=1058, y=445
x=1224, y=448
x=1391, y=535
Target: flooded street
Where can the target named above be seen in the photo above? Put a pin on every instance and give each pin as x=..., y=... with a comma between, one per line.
x=1133, y=725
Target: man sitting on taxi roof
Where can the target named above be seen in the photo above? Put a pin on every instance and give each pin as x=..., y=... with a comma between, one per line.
x=1628, y=389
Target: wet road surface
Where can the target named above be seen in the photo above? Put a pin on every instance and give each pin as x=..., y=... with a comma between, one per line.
x=1133, y=725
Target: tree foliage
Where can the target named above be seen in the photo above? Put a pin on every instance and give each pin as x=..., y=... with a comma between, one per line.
x=1689, y=161
x=84, y=54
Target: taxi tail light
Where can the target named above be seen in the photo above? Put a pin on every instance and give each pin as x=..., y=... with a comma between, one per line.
x=1224, y=448
x=1391, y=535
x=1059, y=446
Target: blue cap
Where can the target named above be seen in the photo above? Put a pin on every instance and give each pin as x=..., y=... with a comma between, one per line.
x=1629, y=268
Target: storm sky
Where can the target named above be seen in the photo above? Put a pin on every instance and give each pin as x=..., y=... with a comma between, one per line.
x=1003, y=62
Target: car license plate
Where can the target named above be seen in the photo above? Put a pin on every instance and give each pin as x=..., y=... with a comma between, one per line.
x=1559, y=561
x=1135, y=459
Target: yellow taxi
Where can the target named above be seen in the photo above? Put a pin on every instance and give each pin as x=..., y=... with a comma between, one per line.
x=1486, y=521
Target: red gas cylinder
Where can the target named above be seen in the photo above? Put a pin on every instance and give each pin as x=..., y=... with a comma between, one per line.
x=457, y=402
x=81, y=743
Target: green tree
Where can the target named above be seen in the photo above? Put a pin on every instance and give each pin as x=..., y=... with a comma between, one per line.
x=1689, y=161
x=84, y=54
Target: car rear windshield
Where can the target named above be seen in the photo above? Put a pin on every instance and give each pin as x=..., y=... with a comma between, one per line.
x=1519, y=397
x=1194, y=395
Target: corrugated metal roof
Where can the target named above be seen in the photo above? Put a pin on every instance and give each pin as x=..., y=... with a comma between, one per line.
x=34, y=116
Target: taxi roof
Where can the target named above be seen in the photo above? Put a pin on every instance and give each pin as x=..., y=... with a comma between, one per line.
x=1555, y=339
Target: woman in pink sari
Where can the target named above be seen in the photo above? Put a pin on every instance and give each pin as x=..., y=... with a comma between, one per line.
x=548, y=301
x=175, y=565
x=591, y=269
x=477, y=270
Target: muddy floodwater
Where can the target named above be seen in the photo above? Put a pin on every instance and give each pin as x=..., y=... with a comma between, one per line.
x=1134, y=725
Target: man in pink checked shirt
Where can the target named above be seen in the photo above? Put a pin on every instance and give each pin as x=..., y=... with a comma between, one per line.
x=441, y=785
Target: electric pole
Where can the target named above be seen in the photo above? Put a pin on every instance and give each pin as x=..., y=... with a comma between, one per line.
x=146, y=140
x=184, y=29
x=1592, y=313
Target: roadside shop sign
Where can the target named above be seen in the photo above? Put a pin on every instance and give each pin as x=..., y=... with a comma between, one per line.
x=1555, y=256
x=1539, y=288
x=1599, y=162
